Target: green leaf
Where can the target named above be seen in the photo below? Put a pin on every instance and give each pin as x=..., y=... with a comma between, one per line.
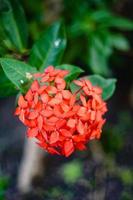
x=101, y=41
x=100, y=15
x=98, y=61
x=74, y=71
x=74, y=88
x=48, y=50
x=13, y=22
x=120, y=42
x=108, y=85
x=16, y=72
x=71, y=172
x=119, y=23
x=6, y=87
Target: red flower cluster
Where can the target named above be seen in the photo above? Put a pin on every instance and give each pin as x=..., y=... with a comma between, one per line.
x=60, y=120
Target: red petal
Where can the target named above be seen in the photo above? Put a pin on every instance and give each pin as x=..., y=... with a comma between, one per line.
x=53, y=151
x=92, y=115
x=33, y=115
x=80, y=146
x=49, y=69
x=44, y=98
x=66, y=133
x=61, y=84
x=72, y=100
x=54, y=137
x=79, y=83
x=60, y=123
x=22, y=116
x=35, y=86
x=40, y=122
x=29, y=96
x=53, y=119
x=41, y=89
x=45, y=135
x=47, y=113
x=66, y=94
x=68, y=114
x=17, y=111
x=82, y=111
x=30, y=123
x=21, y=102
x=86, y=90
x=51, y=89
x=45, y=78
x=37, y=75
x=79, y=138
x=36, y=98
x=65, y=107
x=88, y=83
x=80, y=127
x=71, y=123
x=83, y=100
x=63, y=73
x=57, y=111
x=68, y=148
x=55, y=101
x=98, y=90
x=32, y=132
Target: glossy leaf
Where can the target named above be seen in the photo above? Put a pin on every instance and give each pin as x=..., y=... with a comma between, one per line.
x=16, y=71
x=48, y=50
x=6, y=87
x=108, y=85
x=74, y=71
x=13, y=22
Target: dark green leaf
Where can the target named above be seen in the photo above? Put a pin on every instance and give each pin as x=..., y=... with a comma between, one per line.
x=13, y=22
x=48, y=50
x=6, y=87
x=17, y=71
x=108, y=85
x=74, y=71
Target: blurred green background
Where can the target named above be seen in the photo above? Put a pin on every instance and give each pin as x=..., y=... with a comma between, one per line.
x=100, y=40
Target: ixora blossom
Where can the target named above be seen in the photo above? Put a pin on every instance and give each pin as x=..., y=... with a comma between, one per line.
x=60, y=120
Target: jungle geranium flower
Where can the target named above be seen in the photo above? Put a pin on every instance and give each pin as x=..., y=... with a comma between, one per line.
x=60, y=120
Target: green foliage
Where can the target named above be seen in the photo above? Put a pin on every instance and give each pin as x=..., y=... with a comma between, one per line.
x=6, y=87
x=48, y=50
x=72, y=172
x=13, y=31
x=99, y=27
x=4, y=182
x=126, y=176
x=17, y=72
x=126, y=196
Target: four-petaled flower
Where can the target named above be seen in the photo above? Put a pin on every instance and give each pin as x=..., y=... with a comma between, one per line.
x=60, y=120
